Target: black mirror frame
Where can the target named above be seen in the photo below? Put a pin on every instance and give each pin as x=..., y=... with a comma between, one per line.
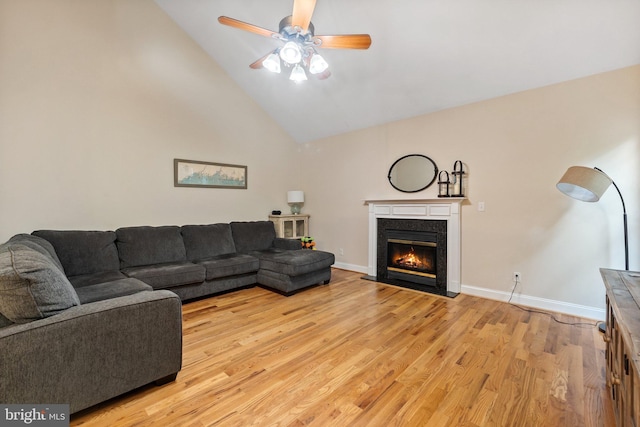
x=435, y=173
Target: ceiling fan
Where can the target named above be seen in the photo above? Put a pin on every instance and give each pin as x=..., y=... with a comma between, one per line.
x=299, y=49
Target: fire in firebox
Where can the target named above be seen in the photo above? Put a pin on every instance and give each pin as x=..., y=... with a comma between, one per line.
x=410, y=260
x=412, y=257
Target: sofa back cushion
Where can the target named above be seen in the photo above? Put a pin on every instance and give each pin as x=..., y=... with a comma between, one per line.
x=150, y=245
x=207, y=241
x=253, y=235
x=83, y=252
x=31, y=286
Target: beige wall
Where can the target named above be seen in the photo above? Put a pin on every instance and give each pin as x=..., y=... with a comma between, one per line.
x=98, y=97
x=515, y=148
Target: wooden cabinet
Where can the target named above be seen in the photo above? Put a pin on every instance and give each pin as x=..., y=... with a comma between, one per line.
x=290, y=226
x=623, y=344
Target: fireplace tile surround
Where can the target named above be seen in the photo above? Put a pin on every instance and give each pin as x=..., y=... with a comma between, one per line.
x=421, y=229
x=447, y=210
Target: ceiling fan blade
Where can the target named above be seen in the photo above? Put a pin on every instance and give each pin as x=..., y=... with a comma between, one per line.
x=258, y=64
x=302, y=11
x=350, y=41
x=225, y=20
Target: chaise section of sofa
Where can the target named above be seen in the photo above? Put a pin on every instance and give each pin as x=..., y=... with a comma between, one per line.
x=282, y=268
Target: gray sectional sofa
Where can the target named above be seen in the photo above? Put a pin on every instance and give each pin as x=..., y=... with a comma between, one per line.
x=88, y=315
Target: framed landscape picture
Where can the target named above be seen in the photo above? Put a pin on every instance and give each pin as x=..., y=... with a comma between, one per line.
x=194, y=173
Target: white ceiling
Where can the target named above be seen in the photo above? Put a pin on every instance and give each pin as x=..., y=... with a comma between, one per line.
x=425, y=56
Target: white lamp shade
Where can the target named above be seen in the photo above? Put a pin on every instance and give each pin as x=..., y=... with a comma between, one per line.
x=272, y=63
x=296, y=196
x=297, y=74
x=317, y=64
x=585, y=184
x=290, y=53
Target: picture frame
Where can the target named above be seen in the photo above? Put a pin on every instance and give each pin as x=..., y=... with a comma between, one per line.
x=196, y=173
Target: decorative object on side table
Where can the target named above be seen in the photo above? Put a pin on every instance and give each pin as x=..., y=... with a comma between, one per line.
x=295, y=199
x=308, y=243
x=443, y=184
x=457, y=176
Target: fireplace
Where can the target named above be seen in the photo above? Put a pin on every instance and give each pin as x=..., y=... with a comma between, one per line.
x=412, y=253
x=443, y=219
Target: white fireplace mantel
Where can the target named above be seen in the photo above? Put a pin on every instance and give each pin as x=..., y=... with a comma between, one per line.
x=444, y=209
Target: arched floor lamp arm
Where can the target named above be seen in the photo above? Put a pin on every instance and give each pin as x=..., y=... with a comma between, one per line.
x=624, y=218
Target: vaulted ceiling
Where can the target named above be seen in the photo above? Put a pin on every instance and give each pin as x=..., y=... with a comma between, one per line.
x=425, y=56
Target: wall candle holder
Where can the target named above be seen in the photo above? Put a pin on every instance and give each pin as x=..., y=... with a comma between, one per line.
x=457, y=174
x=443, y=184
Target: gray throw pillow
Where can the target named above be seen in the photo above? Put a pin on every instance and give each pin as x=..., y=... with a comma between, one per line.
x=31, y=285
x=38, y=244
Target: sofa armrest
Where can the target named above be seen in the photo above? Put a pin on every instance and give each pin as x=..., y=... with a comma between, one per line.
x=291, y=244
x=92, y=352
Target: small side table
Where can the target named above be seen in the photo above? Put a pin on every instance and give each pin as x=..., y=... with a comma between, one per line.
x=290, y=226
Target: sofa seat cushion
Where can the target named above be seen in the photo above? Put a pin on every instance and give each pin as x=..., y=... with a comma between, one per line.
x=229, y=265
x=294, y=263
x=162, y=276
x=207, y=241
x=31, y=285
x=83, y=252
x=142, y=246
x=95, y=278
x=114, y=289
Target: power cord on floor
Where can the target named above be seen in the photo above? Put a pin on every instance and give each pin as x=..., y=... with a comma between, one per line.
x=581, y=324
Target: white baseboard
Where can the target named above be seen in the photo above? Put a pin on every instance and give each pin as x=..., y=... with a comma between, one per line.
x=595, y=313
x=351, y=267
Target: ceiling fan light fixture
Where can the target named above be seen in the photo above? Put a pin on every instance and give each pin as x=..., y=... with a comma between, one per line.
x=272, y=63
x=317, y=64
x=291, y=53
x=297, y=74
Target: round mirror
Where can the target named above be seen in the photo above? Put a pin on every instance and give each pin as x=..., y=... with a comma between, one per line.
x=412, y=173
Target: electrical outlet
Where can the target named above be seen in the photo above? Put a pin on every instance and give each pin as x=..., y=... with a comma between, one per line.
x=341, y=251
x=517, y=277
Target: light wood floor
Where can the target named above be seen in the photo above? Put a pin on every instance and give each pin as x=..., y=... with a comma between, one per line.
x=362, y=353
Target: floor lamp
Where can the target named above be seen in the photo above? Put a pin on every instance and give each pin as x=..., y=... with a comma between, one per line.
x=588, y=185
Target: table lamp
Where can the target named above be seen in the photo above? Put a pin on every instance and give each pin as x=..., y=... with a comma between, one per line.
x=296, y=200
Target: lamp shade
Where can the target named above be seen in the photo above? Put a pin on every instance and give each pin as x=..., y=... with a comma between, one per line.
x=272, y=63
x=290, y=53
x=585, y=184
x=296, y=196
